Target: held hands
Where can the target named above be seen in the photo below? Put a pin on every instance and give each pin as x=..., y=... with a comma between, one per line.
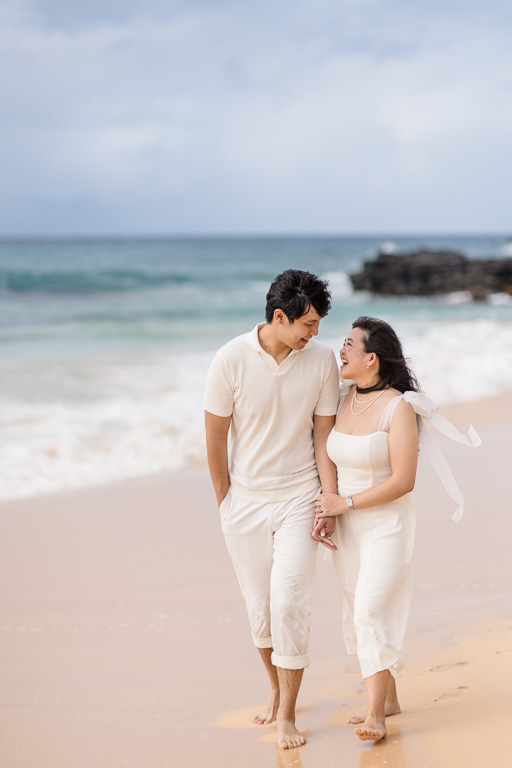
x=330, y=504
x=322, y=531
x=327, y=505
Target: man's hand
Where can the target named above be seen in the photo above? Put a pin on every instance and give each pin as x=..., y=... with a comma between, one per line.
x=221, y=496
x=322, y=530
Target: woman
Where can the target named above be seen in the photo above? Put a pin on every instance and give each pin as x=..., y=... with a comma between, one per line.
x=374, y=445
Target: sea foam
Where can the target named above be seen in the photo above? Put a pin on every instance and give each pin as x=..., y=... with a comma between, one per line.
x=155, y=422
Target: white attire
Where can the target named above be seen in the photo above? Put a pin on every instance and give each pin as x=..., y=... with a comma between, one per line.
x=268, y=513
x=272, y=408
x=273, y=554
x=375, y=545
x=374, y=553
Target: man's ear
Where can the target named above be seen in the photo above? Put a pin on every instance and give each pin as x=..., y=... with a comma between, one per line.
x=279, y=316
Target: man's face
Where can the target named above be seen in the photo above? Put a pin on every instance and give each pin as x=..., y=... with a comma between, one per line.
x=296, y=335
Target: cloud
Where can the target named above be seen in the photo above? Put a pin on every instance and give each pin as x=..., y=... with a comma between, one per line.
x=243, y=117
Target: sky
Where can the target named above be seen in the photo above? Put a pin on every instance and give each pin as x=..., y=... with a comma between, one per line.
x=303, y=116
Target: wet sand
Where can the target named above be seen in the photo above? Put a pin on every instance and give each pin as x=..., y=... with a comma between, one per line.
x=124, y=640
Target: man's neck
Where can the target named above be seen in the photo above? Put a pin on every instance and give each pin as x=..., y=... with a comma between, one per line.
x=271, y=343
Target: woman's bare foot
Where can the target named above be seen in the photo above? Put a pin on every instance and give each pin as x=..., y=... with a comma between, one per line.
x=288, y=736
x=371, y=730
x=393, y=708
x=269, y=711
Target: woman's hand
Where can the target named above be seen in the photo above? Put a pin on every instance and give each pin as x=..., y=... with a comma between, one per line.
x=329, y=504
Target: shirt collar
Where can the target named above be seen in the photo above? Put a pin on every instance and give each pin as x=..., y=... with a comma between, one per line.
x=254, y=342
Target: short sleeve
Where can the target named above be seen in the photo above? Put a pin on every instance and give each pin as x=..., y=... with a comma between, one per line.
x=219, y=391
x=327, y=402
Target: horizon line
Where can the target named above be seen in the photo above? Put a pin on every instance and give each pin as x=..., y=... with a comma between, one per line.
x=246, y=235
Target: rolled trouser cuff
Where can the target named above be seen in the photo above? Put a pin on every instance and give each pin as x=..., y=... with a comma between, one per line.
x=290, y=662
x=262, y=642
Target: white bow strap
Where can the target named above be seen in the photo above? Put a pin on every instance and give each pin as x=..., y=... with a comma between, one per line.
x=432, y=419
x=421, y=403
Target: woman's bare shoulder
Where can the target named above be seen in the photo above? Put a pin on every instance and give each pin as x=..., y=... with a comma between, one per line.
x=403, y=412
x=396, y=404
x=390, y=394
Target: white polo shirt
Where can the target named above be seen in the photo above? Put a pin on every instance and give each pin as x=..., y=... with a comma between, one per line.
x=271, y=454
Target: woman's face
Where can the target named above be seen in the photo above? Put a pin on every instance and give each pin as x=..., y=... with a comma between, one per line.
x=354, y=358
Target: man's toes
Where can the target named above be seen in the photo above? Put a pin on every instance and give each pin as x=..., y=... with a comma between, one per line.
x=292, y=743
x=262, y=719
x=368, y=734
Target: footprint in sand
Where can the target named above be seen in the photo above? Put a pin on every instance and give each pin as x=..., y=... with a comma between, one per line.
x=444, y=667
x=460, y=691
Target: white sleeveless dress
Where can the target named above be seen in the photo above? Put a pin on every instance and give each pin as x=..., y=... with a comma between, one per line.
x=375, y=548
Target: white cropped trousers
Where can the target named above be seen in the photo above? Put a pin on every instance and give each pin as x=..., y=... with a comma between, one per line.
x=273, y=554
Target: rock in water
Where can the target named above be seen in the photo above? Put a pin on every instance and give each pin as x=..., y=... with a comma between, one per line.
x=428, y=273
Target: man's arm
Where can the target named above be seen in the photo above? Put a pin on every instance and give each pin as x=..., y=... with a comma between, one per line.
x=322, y=426
x=217, y=428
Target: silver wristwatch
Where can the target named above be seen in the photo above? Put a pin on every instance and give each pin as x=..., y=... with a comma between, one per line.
x=350, y=502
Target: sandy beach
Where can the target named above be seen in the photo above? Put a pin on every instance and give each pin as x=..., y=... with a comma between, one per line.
x=124, y=640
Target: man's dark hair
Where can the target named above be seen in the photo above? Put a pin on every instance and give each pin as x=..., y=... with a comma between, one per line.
x=380, y=338
x=294, y=292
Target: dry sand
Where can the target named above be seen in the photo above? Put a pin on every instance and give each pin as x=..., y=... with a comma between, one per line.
x=124, y=640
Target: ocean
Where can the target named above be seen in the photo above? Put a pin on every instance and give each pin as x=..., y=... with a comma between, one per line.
x=105, y=342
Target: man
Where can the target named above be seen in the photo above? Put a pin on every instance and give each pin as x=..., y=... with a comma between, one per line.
x=276, y=389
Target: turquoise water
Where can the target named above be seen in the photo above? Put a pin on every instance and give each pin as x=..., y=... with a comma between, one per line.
x=105, y=343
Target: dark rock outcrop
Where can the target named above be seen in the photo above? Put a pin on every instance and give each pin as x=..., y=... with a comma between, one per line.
x=428, y=273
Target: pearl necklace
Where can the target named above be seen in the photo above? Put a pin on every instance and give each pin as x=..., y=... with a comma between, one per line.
x=370, y=403
x=365, y=402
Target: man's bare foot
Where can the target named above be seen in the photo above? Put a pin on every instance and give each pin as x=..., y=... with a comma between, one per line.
x=269, y=711
x=372, y=730
x=391, y=709
x=288, y=736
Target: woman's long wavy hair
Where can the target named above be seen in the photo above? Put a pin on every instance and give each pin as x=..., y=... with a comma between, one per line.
x=380, y=338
